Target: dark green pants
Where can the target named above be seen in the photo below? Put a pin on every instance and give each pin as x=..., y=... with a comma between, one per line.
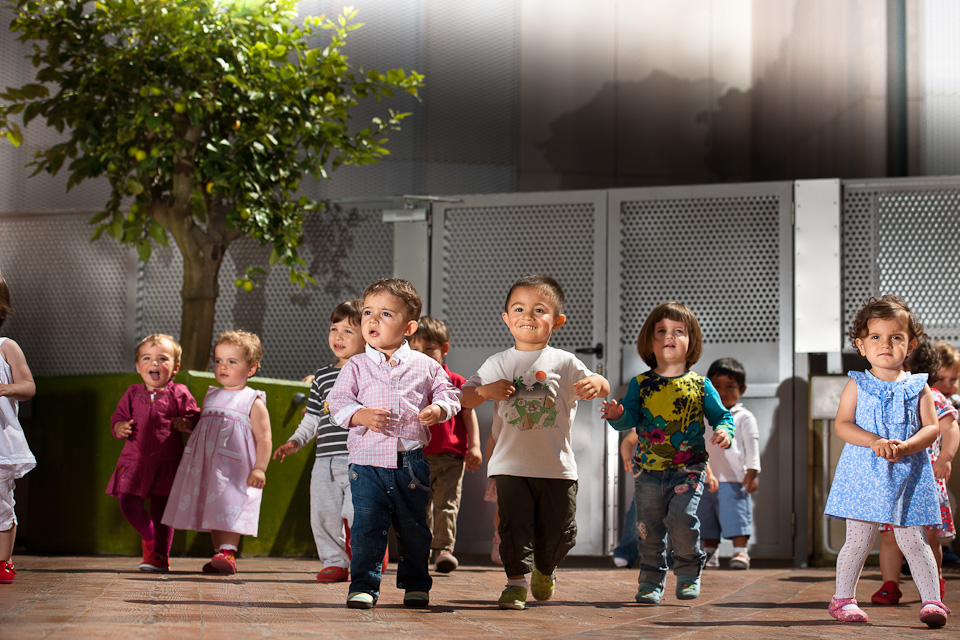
x=538, y=525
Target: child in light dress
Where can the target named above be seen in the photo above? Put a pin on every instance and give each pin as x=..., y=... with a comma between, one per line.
x=223, y=470
x=150, y=417
x=667, y=406
x=887, y=419
x=16, y=459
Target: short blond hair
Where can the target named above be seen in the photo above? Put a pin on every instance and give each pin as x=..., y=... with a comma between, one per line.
x=160, y=338
x=248, y=342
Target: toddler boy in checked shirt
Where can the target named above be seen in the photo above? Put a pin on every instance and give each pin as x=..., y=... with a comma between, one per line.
x=388, y=397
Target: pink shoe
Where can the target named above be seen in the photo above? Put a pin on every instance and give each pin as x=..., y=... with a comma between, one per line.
x=933, y=613
x=846, y=610
x=224, y=562
x=7, y=573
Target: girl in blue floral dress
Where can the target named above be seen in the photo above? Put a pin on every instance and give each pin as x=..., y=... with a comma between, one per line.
x=887, y=419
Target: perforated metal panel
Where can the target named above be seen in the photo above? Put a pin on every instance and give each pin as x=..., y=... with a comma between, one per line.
x=71, y=298
x=485, y=249
x=718, y=256
x=901, y=237
x=345, y=251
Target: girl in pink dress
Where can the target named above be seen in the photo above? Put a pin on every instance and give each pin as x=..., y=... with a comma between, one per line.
x=222, y=473
x=150, y=417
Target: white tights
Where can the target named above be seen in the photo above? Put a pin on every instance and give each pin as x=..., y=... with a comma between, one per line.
x=912, y=542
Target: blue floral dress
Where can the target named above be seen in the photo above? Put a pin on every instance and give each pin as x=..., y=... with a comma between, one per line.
x=867, y=487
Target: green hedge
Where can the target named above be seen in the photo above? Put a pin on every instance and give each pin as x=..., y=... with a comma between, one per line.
x=69, y=510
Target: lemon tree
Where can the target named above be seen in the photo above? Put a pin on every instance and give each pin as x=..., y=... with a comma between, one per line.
x=205, y=116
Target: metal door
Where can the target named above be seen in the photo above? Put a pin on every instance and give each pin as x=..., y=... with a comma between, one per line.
x=480, y=246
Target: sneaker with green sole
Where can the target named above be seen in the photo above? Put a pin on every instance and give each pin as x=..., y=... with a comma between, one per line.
x=649, y=593
x=513, y=597
x=688, y=588
x=542, y=585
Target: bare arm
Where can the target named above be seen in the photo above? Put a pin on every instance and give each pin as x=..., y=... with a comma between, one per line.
x=472, y=397
x=929, y=430
x=950, y=441
x=474, y=457
x=260, y=424
x=23, y=388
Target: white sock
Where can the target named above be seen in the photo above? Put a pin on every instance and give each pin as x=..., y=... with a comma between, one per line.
x=518, y=582
x=737, y=550
x=228, y=547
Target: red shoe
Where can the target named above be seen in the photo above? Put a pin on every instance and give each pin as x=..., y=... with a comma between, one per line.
x=147, y=548
x=333, y=574
x=889, y=593
x=224, y=562
x=156, y=563
x=208, y=568
x=7, y=573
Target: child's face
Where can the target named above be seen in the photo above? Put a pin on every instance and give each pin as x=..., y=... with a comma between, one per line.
x=230, y=367
x=729, y=390
x=531, y=318
x=345, y=340
x=885, y=345
x=156, y=364
x=384, y=323
x=947, y=382
x=434, y=349
x=670, y=342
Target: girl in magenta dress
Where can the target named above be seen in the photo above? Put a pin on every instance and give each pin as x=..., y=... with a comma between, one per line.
x=222, y=473
x=150, y=417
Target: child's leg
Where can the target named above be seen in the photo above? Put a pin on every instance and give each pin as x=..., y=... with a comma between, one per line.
x=409, y=508
x=923, y=567
x=683, y=496
x=516, y=507
x=371, y=521
x=555, y=522
x=859, y=541
x=708, y=513
x=326, y=507
x=133, y=510
x=890, y=557
x=225, y=540
x=651, y=514
x=8, y=520
x=446, y=478
x=933, y=539
x=162, y=534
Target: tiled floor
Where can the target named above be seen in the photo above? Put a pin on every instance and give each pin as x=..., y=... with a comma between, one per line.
x=106, y=597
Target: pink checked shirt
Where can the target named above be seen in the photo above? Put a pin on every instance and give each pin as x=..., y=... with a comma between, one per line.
x=369, y=381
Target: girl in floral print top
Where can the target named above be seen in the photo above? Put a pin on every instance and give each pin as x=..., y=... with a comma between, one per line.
x=666, y=406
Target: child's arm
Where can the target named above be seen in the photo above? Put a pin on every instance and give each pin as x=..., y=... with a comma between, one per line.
x=591, y=387
x=749, y=434
x=626, y=415
x=473, y=397
x=190, y=414
x=712, y=483
x=950, y=440
x=925, y=435
x=845, y=425
x=445, y=401
x=23, y=387
x=628, y=448
x=718, y=416
x=260, y=424
x=121, y=422
x=474, y=458
x=750, y=481
x=345, y=407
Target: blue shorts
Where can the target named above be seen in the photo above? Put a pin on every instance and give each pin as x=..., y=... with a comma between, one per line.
x=726, y=513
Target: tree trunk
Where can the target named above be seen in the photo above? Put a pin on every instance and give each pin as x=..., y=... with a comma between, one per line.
x=199, y=294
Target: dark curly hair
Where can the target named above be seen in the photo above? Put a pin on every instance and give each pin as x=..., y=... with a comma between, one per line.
x=886, y=307
x=925, y=358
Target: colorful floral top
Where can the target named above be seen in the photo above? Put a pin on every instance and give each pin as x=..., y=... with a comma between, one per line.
x=668, y=416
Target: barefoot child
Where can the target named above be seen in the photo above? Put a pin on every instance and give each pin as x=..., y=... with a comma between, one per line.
x=667, y=406
x=16, y=385
x=535, y=389
x=220, y=479
x=150, y=417
x=887, y=419
x=331, y=505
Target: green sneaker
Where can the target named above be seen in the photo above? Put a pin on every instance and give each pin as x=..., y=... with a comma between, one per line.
x=649, y=593
x=688, y=588
x=541, y=586
x=513, y=597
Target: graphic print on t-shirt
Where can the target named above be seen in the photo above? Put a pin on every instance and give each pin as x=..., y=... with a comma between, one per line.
x=533, y=404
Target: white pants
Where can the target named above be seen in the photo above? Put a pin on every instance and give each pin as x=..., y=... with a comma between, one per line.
x=8, y=518
x=331, y=504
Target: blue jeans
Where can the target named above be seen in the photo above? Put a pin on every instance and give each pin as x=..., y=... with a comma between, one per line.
x=627, y=549
x=383, y=497
x=667, y=505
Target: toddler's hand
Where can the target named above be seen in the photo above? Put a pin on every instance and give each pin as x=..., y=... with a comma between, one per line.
x=123, y=429
x=430, y=415
x=499, y=390
x=284, y=450
x=886, y=449
x=721, y=439
x=182, y=425
x=588, y=388
x=610, y=410
x=373, y=419
x=256, y=479
x=942, y=469
x=713, y=485
x=473, y=459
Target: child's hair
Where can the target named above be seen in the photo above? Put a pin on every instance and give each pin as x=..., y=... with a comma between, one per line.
x=402, y=289
x=949, y=356
x=924, y=359
x=678, y=313
x=886, y=307
x=730, y=367
x=351, y=311
x=248, y=342
x=545, y=284
x=5, y=308
x=432, y=330
x=159, y=338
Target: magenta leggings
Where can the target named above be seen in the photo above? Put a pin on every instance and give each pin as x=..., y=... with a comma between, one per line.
x=148, y=526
